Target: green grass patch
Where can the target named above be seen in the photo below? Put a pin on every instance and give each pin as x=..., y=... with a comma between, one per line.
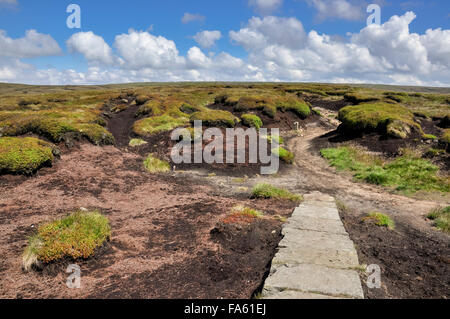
x=75, y=236
x=24, y=155
x=406, y=173
x=441, y=218
x=269, y=191
x=153, y=125
x=155, y=165
x=252, y=120
x=381, y=220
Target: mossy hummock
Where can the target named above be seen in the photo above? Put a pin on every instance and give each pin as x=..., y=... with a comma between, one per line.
x=75, y=236
x=391, y=119
x=24, y=155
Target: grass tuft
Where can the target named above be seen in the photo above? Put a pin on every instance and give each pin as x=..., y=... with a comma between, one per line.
x=269, y=191
x=75, y=236
x=381, y=220
x=155, y=165
x=441, y=218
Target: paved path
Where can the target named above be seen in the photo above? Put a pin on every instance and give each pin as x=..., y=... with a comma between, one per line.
x=316, y=258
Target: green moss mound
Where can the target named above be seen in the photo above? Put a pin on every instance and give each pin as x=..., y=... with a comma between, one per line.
x=394, y=120
x=153, y=125
x=75, y=236
x=214, y=118
x=24, y=155
x=358, y=98
x=252, y=120
x=296, y=106
x=269, y=191
x=284, y=155
x=151, y=108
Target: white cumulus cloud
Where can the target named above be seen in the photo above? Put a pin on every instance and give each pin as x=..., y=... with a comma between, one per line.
x=34, y=44
x=207, y=39
x=92, y=46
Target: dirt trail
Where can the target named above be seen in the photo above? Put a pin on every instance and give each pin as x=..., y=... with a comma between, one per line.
x=311, y=172
x=316, y=174
x=120, y=125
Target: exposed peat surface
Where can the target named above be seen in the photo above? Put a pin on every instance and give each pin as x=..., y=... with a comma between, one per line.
x=171, y=233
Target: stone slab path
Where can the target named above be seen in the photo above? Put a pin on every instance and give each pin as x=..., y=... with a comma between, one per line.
x=316, y=258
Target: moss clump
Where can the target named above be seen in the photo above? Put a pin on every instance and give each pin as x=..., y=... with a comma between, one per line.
x=136, y=142
x=151, y=108
x=153, y=125
x=284, y=155
x=358, y=98
x=252, y=120
x=141, y=99
x=441, y=218
x=24, y=155
x=381, y=220
x=155, y=165
x=190, y=109
x=269, y=191
x=296, y=106
x=96, y=134
x=75, y=236
x=213, y=118
x=391, y=119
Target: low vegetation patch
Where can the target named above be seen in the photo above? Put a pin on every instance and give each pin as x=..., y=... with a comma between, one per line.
x=75, y=236
x=252, y=120
x=357, y=98
x=153, y=125
x=215, y=118
x=446, y=136
x=155, y=165
x=381, y=220
x=24, y=155
x=407, y=173
x=391, y=119
x=243, y=215
x=137, y=142
x=441, y=218
x=269, y=191
x=284, y=155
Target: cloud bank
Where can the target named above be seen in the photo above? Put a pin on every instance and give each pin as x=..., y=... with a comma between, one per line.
x=278, y=49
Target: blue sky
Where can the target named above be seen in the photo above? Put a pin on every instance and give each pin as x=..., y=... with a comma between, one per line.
x=108, y=19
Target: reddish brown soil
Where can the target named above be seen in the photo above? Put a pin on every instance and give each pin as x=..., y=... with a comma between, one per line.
x=161, y=245
x=414, y=264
